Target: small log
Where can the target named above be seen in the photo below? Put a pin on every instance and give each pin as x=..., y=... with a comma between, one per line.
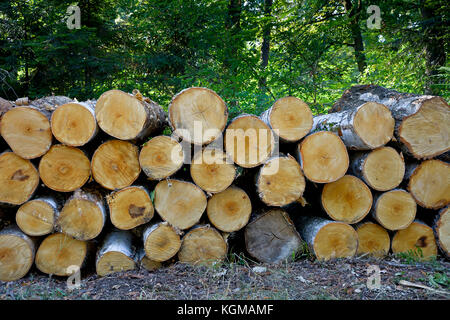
x=161, y=157
x=366, y=127
x=83, y=215
x=382, y=169
x=429, y=183
x=203, y=245
x=115, y=164
x=328, y=239
x=130, y=207
x=116, y=254
x=128, y=117
x=394, y=210
x=374, y=240
x=229, y=210
x=441, y=229
x=64, y=168
x=74, y=123
x=58, y=253
x=290, y=118
x=161, y=241
x=19, y=179
x=280, y=181
x=145, y=262
x=347, y=200
x=180, y=203
x=418, y=237
x=271, y=237
x=37, y=217
x=249, y=141
x=198, y=115
x=17, y=252
x=212, y=170
x=323, y=157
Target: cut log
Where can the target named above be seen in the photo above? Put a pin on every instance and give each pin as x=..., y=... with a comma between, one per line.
x=161, y=157
x=290, y=118
x=328, y=239
x=395, y=209
x=198, y=115
x=366, y=127
x=212, y=170
x=442, y=231
x=323, y=157
x=382, y=169
x=16, y=253
x=347, y=200
x=37, y=217
x=115, y=164
x=83, y=215
x=429, y=183
x=418, y=238
x=128, y=117
x=374, y=240
x=64, y=168
x=249, y=141
x=180, y=203
x=422, y=122
x=18, y=179
x=229, y=210
x=130, y=207
x=74, y=123
x=203, y=245
x=58, y=253
x=271, y=237
x=145, y=262
x=116, y=254
x=280, y=181
x=161, y=241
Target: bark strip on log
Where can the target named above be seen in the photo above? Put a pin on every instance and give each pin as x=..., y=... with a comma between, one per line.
x=441, y=229
x=373, y=239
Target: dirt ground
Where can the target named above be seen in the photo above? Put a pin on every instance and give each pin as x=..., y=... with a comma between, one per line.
x=240, y=280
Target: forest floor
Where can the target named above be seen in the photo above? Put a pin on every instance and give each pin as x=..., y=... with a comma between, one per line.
x=304, y=279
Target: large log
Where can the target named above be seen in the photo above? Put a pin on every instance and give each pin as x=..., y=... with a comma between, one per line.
x=202, y=245
x=161, y=157
x=441, y=228
x=198, y=115
x=422, y=122
x=161, y=241
x=130, y=207
x=323, y=157
x=373, y=239
x=64, y=168
x=58, y=253
x=280, y=181
x=347, y=200
x=366, y=127
x=271, y=237
x=394, y=210
x=382, y=169
x=179, y=202
x=19, y=179
x=229, y=210
x=115, y=164
x=418, y=238
x=290, y=118
x=128, y=116
x=328, y=239
x=249, y=141
x=429, y=183
x=37, y=217
x=116, y=254
x=17, y=252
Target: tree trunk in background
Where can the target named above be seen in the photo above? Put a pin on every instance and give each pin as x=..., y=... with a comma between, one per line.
x=265, y=48
x=353, y=9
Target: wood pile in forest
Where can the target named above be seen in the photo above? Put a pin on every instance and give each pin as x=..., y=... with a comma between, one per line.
x=116, y=183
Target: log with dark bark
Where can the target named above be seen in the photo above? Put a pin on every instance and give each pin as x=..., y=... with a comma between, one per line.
x=128, y=116
x=373, y=240
x=37, y=217
x=271, y=237
x=441, y=229
x=422, y=122
x=161, y=241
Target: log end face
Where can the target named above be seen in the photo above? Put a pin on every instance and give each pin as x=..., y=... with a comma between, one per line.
x=335, y=240
x=374, y=240
x=395, y=209
x=36, y=218
x=418, y=238
x=16, y=257
x=384, y=169
x=112, y=262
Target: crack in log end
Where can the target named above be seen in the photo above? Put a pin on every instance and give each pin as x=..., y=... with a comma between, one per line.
x=136, y=211
x=421, y=242
x=19, y=175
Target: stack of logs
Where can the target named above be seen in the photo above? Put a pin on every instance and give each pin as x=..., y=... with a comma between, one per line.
x=120, y=181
